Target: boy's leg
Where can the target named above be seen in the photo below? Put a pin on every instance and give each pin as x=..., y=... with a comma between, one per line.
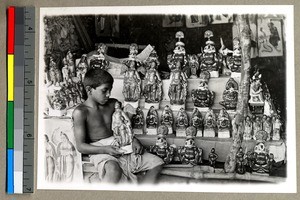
x=152, y=175
x=112, y=172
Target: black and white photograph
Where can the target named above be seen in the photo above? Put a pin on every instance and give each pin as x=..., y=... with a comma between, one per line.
x=167, y=98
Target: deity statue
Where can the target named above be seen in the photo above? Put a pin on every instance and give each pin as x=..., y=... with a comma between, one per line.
x=54, y=73
x=50, y=155
x=248, y=131
x=121, y=127
x=233, y=61
x=152, y=118
x=257, y=126
x=167, y=118
x=82, y=67
x=203, y=97
x=152, y=84
x=161, y=147
x=269, y=109
x=212, y=158
x=133, y=51
x=210, y=59
x=197, y=121
x=66, y=72
x=277, y=126
x=223, y=124
x=57, y=103
x=98, y=60
x=267, y=125
x=210, y=124
x=71, y=64
x=256, y=91
x=240, y=162
x=230, y=95
x=182, y=121
x=190, y=153
x=132, y=83
x=178, y=86
x=193, y=64
x=137, y=120
x=261, y=161
x=66, y=154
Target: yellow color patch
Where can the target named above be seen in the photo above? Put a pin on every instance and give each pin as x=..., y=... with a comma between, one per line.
x=10, y=77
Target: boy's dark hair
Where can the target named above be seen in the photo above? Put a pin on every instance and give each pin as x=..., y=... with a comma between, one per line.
x=96, y=77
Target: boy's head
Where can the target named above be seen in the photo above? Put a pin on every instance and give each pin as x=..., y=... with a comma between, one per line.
x=98, y=83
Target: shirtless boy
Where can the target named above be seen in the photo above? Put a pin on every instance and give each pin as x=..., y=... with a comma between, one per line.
x=94, y=136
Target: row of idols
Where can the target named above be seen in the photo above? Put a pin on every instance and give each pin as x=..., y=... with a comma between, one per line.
x=208, y=126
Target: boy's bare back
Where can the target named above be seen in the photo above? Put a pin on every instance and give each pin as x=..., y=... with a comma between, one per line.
x=94, y=123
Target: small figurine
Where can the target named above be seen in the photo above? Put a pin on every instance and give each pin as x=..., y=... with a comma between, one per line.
x=248, y=131
x=223, y=124
x=210, y=60
x=267, y=125
x=122, y=130
x=161, y=147
x=182, y=123
x=234, y=61
x=178, y=86
x=277, y=126
x=230, y=95
x=268, y=106
x=152, y=85
x=65, y=72
x=240, y=167
x=71, y=64
x=210, y=124
x=132, y=84
x=193, y=65
x=152, y=121
x=212, y=158
x=257, y=126
x=54, y=73
x=133, y=51
x=179, y=54
x=197, y=122
x=256, y=91
x=167, y=118
x=82, y=67
x=190, y=153
x=261, y=159
x=137, y=121
x=99, y=60
x=203, y=97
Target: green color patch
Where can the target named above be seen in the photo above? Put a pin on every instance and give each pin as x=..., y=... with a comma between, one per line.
x=10, y=124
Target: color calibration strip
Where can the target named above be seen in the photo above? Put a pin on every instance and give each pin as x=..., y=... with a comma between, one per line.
x=20, y=96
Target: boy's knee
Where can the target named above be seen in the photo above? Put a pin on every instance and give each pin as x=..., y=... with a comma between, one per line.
x=112, y=168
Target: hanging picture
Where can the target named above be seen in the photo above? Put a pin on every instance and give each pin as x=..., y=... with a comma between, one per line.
x=172, y=21
x=220, y=19
x=197, y=21
x=269, y=37
x=107, y=25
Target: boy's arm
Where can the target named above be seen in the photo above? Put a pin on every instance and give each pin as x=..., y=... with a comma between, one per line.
x=79, y=118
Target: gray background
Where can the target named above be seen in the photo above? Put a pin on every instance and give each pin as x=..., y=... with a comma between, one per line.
x=74, y=195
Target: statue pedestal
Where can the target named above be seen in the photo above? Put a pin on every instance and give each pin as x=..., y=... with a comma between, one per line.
x=247, y=137
x=133, y=104
x=138, y=131
x=276, y=137
x=236, y=75
x=202, y=109
x=148, y=105
x=209, y=133
x=199, y=133
x=258, y=103
x=126, y=149
x=214, y=74
x=260, y=174
x=151, y=131
x=180, y=133
x=170, y=130
x=224, y=134
x=57, y=113
x=176, y=107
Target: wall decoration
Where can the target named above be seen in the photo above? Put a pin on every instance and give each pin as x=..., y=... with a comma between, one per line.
x=107, y=25
x=193, y=21
x=172, y=21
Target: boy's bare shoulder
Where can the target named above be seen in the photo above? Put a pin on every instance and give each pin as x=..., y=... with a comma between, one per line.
x=80, y=112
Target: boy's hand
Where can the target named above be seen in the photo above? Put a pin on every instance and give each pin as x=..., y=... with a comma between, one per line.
x=113, y=151
x=137, y=147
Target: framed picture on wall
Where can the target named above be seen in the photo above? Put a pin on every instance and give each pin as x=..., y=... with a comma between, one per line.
x=172, y=21
x=220, y=19
x=269, y=32
x=107, y=25
x=197, y=21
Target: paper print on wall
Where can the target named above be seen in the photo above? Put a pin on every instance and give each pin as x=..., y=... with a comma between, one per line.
x=269, y=37
x=107, y=25
x=220, y=19
x=197, y=21
x=173, y=21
